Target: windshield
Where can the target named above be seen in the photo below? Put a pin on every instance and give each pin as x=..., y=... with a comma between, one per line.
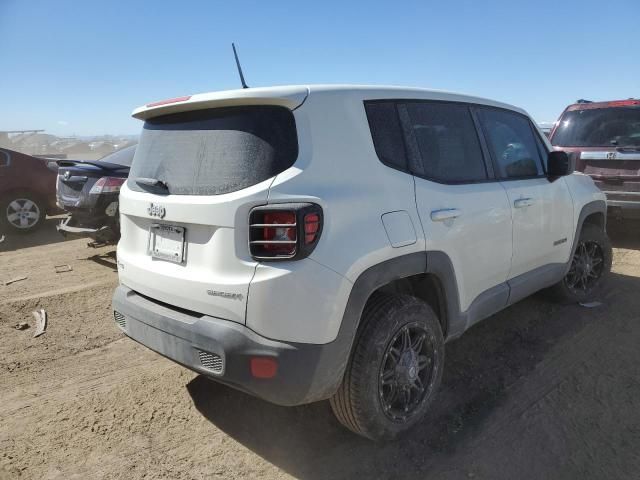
x=215, y=151
x=601, y=127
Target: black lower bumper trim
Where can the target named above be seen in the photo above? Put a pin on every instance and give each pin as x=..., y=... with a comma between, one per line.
x=305, y=373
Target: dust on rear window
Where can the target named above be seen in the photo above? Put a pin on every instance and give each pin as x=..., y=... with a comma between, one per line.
x=600, y=127
x=215, y=151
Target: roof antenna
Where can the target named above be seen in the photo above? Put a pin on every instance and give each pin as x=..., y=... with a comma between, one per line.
x=235, y=54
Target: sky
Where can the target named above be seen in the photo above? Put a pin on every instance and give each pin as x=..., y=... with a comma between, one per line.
x=79, y=67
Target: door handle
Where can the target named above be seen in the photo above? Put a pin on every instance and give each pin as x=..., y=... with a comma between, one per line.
x=523, y=202
x=444, y=214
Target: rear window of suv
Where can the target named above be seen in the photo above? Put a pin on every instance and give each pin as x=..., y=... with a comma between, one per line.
x=599, y=127
x=215, y=151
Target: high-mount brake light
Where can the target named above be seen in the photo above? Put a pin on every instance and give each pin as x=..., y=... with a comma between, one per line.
x=624, y=103
x=169, y=101
x=107, y=185
x=284, y=231
x=632, y=102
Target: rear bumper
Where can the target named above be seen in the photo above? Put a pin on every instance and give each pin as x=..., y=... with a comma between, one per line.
x=623, y=204
x=222, y=350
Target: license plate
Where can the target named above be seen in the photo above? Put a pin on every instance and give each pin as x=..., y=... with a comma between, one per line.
x=166, y=242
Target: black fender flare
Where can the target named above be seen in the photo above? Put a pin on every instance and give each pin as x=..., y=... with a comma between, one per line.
x=595, y=206
x=368, y=282
x=432, y=262
x=376, y=276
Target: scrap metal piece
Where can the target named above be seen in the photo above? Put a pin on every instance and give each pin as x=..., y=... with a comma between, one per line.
x=62, y=268
x=41, y=322
x=14, y=280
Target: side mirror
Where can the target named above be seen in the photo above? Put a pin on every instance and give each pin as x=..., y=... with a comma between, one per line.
x=558, y=164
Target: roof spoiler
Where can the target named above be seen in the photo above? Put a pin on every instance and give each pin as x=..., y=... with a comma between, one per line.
x=289, y=97
x=103, y=165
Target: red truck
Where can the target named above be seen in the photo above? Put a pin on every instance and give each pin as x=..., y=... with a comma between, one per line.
x=603, y=138
x=27, y=191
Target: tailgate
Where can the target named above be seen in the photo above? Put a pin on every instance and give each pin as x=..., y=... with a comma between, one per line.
x=613, y=171
x=185, y=207
x=214, y=276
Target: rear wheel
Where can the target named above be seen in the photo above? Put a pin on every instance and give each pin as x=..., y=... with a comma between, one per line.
x=395, y=369
x=590, y=264
x=22, y=212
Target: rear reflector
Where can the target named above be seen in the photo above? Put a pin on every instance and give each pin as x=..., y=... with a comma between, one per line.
x=169, y=100
x=311, y=227
x=264, y=367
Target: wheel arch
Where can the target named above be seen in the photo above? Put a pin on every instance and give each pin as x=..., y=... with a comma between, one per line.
x=593, y=213
x=425, y=275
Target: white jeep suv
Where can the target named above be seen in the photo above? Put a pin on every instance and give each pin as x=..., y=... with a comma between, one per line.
x=324, y=242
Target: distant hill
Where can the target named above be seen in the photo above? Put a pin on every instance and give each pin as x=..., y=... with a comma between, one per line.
x=87, y=148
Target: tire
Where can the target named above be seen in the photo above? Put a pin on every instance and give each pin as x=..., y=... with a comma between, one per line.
x=378, y=368
x=585, y=277
x=22, y=212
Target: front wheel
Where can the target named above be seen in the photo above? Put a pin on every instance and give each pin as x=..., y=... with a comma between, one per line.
x=395, y=369
x=590, y=264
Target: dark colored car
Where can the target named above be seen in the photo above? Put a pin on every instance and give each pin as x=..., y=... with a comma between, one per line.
x=27, y=191
x=89, y=191
x=603, y=138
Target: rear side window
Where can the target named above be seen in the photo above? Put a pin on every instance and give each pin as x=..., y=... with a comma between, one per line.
x=215, y=151
x=386, y=133
x=442, y=142
x=599, y=127
x=511, y=143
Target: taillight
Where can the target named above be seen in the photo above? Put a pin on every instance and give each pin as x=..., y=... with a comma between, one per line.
x=284, y=231
x=279, y=228
x=107, y=185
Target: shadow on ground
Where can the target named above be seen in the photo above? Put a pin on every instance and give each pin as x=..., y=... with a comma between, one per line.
x=624, y=234
x=45, y=235
x=106, y=260
x=481, y=366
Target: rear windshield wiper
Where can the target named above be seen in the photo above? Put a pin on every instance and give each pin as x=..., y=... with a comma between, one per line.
x=152, y=182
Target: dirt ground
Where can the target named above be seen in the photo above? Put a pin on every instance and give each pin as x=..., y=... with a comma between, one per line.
x=538, y=391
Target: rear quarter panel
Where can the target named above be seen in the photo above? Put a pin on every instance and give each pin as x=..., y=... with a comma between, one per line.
x=338, y=169
x=583, y=191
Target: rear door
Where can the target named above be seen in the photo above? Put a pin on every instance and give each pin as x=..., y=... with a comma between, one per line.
x=542, y=211
x=464, y=212
x=185, y=207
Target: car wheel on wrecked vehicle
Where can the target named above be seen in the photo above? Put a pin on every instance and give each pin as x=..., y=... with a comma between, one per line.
x=21, y=212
